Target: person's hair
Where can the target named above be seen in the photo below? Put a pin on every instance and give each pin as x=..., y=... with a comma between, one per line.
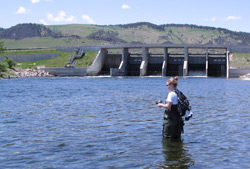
x=173, y=81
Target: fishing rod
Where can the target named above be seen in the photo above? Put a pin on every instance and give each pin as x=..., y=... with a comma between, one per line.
x=126, y=95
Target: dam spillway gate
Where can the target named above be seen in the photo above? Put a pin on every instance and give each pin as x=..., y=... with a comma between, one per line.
x=161, y=61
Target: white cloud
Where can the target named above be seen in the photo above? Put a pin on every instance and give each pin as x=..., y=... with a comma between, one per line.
x=213, y=19
x=43, y=22
x=232, y=18
x=21, y=10
x=61, y=17
x=70, y=19
x=125, y=6
x=35, y=1
x=88, y=19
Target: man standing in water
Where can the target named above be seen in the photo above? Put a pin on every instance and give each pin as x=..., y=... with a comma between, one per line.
x=173, y=123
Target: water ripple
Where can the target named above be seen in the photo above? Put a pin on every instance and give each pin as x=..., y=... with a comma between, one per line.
x=65, y=123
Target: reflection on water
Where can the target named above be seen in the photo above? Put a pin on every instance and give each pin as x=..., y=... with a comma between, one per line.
x=176, y=155
x=66, y=123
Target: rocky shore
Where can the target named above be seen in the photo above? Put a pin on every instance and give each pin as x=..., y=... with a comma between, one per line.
x=246, y=77
x=15, y=73
x=31, y=73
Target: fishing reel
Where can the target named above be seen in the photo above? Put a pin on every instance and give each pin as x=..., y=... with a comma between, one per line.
x=160, y=101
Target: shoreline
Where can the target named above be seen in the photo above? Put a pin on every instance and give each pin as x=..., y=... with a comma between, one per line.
x=17, y=73
x=20, y=73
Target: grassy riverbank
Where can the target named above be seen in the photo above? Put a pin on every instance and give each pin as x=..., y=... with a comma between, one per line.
x=54, y=62
x=57, y=62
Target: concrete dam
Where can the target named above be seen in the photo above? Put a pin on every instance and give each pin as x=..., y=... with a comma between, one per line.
x=160, y=60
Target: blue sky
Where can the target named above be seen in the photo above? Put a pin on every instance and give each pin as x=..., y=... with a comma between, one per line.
x=230, y=14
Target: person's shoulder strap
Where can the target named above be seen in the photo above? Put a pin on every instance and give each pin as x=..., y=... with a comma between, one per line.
x=178, y=92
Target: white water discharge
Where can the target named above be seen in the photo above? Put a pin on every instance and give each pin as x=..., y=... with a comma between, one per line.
x=199, y=73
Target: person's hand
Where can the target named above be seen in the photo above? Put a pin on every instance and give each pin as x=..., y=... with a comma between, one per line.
x=160, y=105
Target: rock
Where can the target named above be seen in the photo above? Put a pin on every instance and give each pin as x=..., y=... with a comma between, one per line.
x=31, y=73
x=246, y=76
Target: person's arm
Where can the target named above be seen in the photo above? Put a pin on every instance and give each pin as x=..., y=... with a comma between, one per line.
x=166, y=106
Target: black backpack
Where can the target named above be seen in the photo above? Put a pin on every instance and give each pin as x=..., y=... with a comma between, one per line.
x=183, y=103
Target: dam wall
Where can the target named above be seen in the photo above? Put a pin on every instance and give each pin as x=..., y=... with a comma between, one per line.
x=160, y=60
x=75, y=48
x=235, y=73
x=149, y=60
x=66, y=71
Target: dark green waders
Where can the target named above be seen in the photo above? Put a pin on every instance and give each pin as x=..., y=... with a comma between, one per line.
x=172, y=124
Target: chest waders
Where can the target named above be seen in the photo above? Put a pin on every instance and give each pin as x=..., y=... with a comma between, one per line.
x=172, y=124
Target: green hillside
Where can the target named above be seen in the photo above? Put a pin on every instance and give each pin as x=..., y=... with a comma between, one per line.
x=34, y=36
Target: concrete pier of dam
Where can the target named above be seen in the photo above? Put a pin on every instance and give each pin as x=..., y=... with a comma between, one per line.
x=160, y=60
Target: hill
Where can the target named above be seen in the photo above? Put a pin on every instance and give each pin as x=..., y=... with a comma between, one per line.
x=22, y=31
x=34, y=35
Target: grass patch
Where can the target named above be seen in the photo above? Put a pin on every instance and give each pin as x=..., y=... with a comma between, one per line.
x=87, y=59
x=57, y=62
x=240, y=60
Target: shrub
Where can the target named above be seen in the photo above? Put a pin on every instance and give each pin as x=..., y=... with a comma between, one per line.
x=10, y=62
x=2, y=68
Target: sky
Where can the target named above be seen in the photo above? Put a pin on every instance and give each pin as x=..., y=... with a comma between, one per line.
x=229, y=14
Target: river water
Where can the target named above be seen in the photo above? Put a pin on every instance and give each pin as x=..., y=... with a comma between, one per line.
x=97, y=123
